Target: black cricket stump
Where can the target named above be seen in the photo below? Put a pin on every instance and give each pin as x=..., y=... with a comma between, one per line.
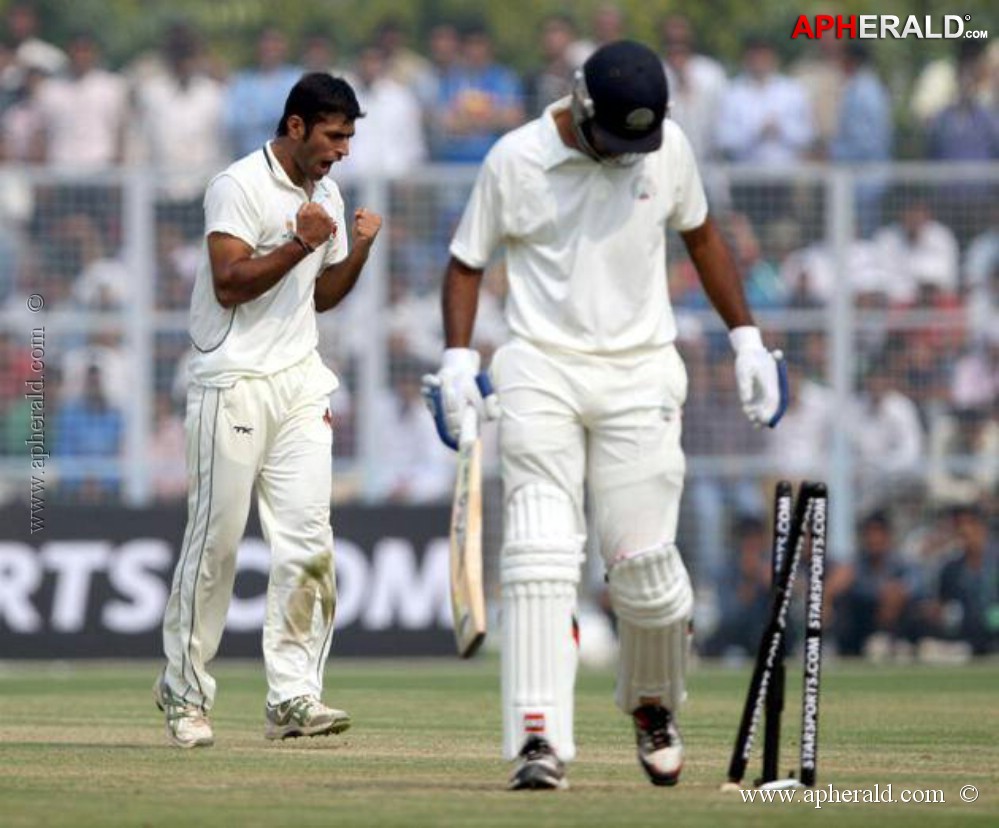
x=795, y=527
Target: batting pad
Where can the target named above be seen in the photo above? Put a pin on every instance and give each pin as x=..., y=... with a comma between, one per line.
x=651, y=588
x=540, y=572
x=653, y=599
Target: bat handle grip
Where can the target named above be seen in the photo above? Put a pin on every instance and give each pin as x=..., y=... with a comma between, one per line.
x=469, y=426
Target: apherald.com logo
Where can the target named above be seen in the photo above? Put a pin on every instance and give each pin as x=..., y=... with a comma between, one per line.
x=883, y=26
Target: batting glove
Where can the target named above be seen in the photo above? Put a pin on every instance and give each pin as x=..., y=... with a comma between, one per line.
x=761, y=376
x=457, y=386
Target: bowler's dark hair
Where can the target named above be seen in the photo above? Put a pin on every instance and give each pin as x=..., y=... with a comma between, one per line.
x=318, y=95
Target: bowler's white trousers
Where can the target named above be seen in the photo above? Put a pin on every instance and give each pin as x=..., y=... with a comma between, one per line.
x=276, y=433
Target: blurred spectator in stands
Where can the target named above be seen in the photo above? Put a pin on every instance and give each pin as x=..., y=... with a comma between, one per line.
x=412, y=318
x=477, y=103
x=84, y=113
x=389, y=139
x=965, y=602
x=937, y=85
x=888, y=438
x=921, y=253
x=801, y=451
x=981, y=276
x=12, y=253
x=104, y=352
x=444, y=48
x=863, y=132
x=762, y=283
x=966, y=130
x=15, y=408
x=32, y=275
x=180, y=122
x=820, y=72
x=167, y=451
x=29, y=49
x=88, y=426
x=255, y=96
x=874, y=599
x=964, y=431
x=685, y=289
x=402, y=64
x=11, y=75
x=413, y=466
x=810, y=274
x=712, y=428
x=764, y=118
x=412, y=322
x=761, y=277
x=697, y=84
x=606, y=26
x=963, y=462
x=22, y=123
x=102, y=281
x=320, y=54
x=176, y=264
x=553, y=79
x=744, y=592
x=416, y=252
x=974, y=374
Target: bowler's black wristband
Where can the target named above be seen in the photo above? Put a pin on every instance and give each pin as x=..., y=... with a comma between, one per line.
x=308, y=248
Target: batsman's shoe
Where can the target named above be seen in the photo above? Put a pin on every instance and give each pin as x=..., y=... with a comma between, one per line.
x=186, y=723
x=660, y=749
x=304, y=716
x=538, y=768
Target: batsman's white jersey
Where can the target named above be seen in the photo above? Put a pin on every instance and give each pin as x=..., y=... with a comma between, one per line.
x=591, y=389
x=258, y=416
x=585, y=242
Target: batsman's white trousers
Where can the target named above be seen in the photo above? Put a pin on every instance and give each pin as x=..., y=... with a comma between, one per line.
x=275, y=433
x=613, y=421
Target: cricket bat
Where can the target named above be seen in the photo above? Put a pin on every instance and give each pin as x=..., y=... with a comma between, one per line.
x=468, y=603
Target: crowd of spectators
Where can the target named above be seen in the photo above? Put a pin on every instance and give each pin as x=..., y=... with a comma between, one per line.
x=450, y=96
x=922, y=267
x=885, y=603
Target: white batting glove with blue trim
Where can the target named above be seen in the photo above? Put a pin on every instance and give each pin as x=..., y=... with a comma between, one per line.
x=457, y=386
x=761, y=377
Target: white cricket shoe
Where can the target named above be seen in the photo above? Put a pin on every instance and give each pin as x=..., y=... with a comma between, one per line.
x=304, y=716
x=660, y=749
x=538, y=768
x=187, y=723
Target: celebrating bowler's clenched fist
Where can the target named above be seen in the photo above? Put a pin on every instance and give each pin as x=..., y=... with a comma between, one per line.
x=366, y=225
x=314, y=225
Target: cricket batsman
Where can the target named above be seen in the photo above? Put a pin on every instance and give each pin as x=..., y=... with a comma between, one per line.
x=591, y=389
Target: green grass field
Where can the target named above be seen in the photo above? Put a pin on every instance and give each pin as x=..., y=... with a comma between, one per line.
x=82, y=745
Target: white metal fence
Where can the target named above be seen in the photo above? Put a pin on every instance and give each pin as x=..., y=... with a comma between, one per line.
x=96, y=271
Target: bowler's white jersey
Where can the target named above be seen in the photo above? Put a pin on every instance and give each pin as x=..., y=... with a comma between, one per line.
x=254, y=200
x=585, y=242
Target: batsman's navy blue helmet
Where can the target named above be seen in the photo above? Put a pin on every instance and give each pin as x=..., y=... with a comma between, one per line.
x=624, y=93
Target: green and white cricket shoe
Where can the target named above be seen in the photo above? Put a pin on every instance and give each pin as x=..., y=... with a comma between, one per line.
x=187, y=724
x=304, y=716
x=660, y=748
